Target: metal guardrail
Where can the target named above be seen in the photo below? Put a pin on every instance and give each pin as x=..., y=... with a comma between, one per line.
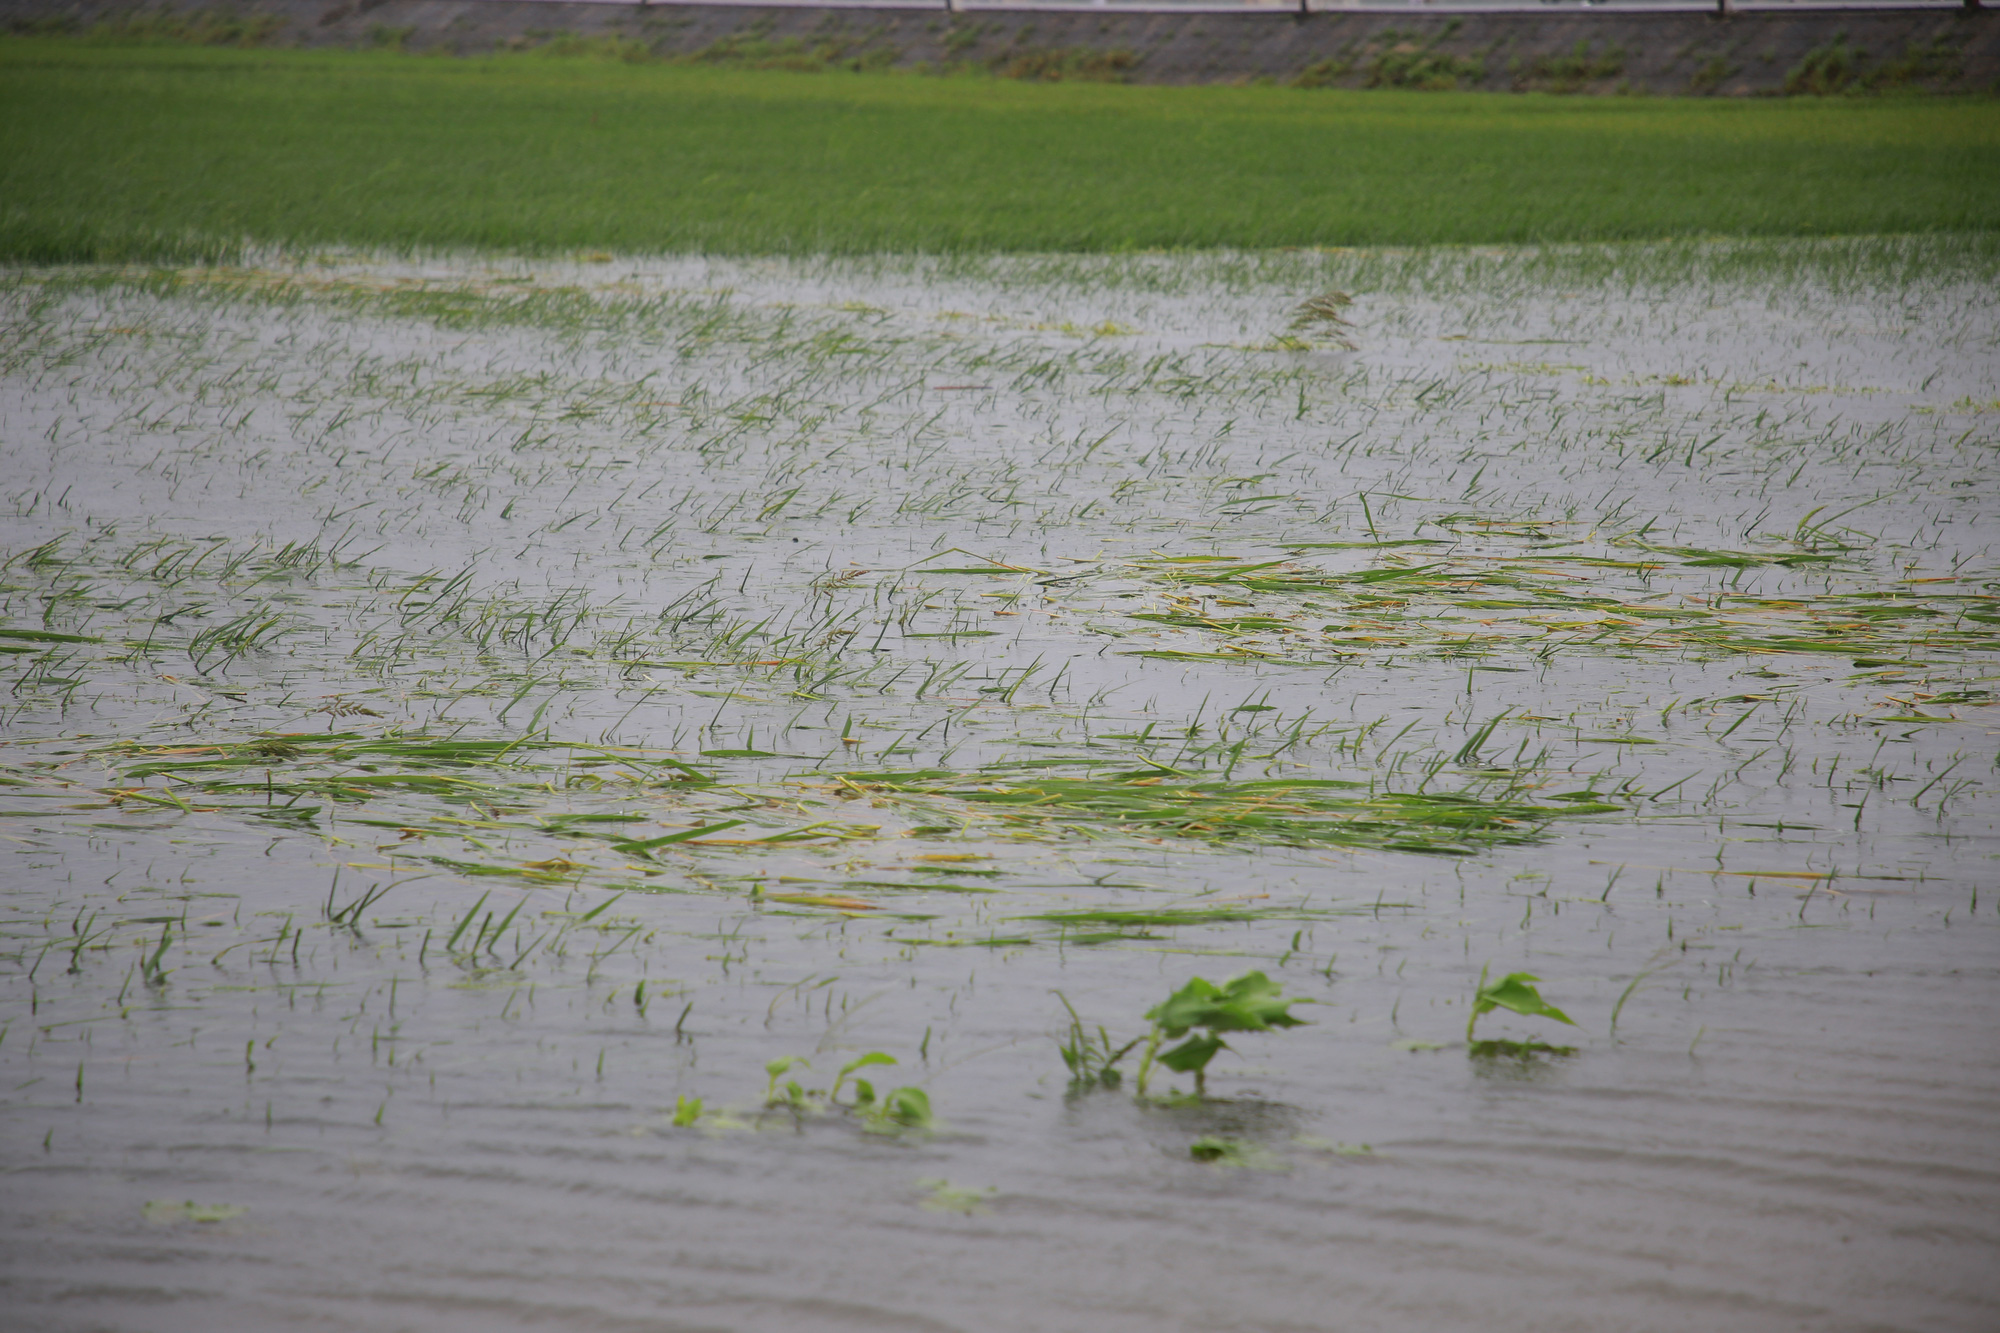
x=1299, y=7
x=1296, y=8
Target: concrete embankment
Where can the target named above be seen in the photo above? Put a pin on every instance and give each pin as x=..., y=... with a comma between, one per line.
x=1603, y=50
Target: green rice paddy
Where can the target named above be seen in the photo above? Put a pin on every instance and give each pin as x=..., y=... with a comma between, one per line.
x=183, y=153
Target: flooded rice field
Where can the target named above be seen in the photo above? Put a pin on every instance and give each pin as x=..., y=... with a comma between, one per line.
x=674, y=794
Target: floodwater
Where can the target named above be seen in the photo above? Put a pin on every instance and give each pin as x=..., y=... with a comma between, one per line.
x=382, y=636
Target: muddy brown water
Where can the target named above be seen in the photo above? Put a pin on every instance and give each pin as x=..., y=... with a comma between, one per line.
x=546, y=504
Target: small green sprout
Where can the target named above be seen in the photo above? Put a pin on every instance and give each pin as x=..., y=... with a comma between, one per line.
x=1091, y=1059
x=1515, y=991
x=904, y=1108
x=687, y=1110
x=776, y=1069
x=1235, y=1152
x=863, y=1093
x=1250, y=1003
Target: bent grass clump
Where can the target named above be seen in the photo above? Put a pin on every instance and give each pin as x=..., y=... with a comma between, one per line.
x=1089, y=1056
x=885, y=1113
x=1297, y=812
x=890, y=1112
x=1249, y=1003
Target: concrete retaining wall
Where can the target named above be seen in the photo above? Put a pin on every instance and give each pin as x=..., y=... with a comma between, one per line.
x=1602, y=50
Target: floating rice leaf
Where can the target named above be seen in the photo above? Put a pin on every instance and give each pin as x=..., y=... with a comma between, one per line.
x=838, y=901
x=1297, y=812
x=1184, y=916
x=46, y=636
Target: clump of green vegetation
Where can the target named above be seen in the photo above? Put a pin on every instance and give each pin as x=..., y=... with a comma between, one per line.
x=793, y=1094
x=1569, y=72
x=900, y=1108
x=164, y=26
x=1324, y=73
x=1091, y=1057
x=1832, y=67
x=1397, y=59
x=1291, y=812
x=1710, y=75
x=1219, y=1151
x=603, y=46
x=1324, y=315
x=755, y=48
x=897, y=1109
x=1249, y=1003
x=1935, y=61
x=1515, y=991
x=1837, y=66
x=1070, y=63
x=1425, y=70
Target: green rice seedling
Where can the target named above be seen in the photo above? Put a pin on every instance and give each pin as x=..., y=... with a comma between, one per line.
x=152, y=968
x=1091, y=1058
x=1515, y=991
x=687, y=1110
x=1249, y=1003
x=350, y=915
x=1324, y=315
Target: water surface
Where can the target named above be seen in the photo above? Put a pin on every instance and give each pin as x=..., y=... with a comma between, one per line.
x=1622, y=617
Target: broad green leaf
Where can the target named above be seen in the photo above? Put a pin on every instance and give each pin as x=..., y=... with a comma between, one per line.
x=1193, y=1054
x=1516, y=991
x=859, y=1062
x=903, y=1108
x=862, y=1062
x=1250, y=1003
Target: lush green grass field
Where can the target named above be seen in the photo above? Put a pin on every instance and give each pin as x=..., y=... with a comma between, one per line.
x=177, y=152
